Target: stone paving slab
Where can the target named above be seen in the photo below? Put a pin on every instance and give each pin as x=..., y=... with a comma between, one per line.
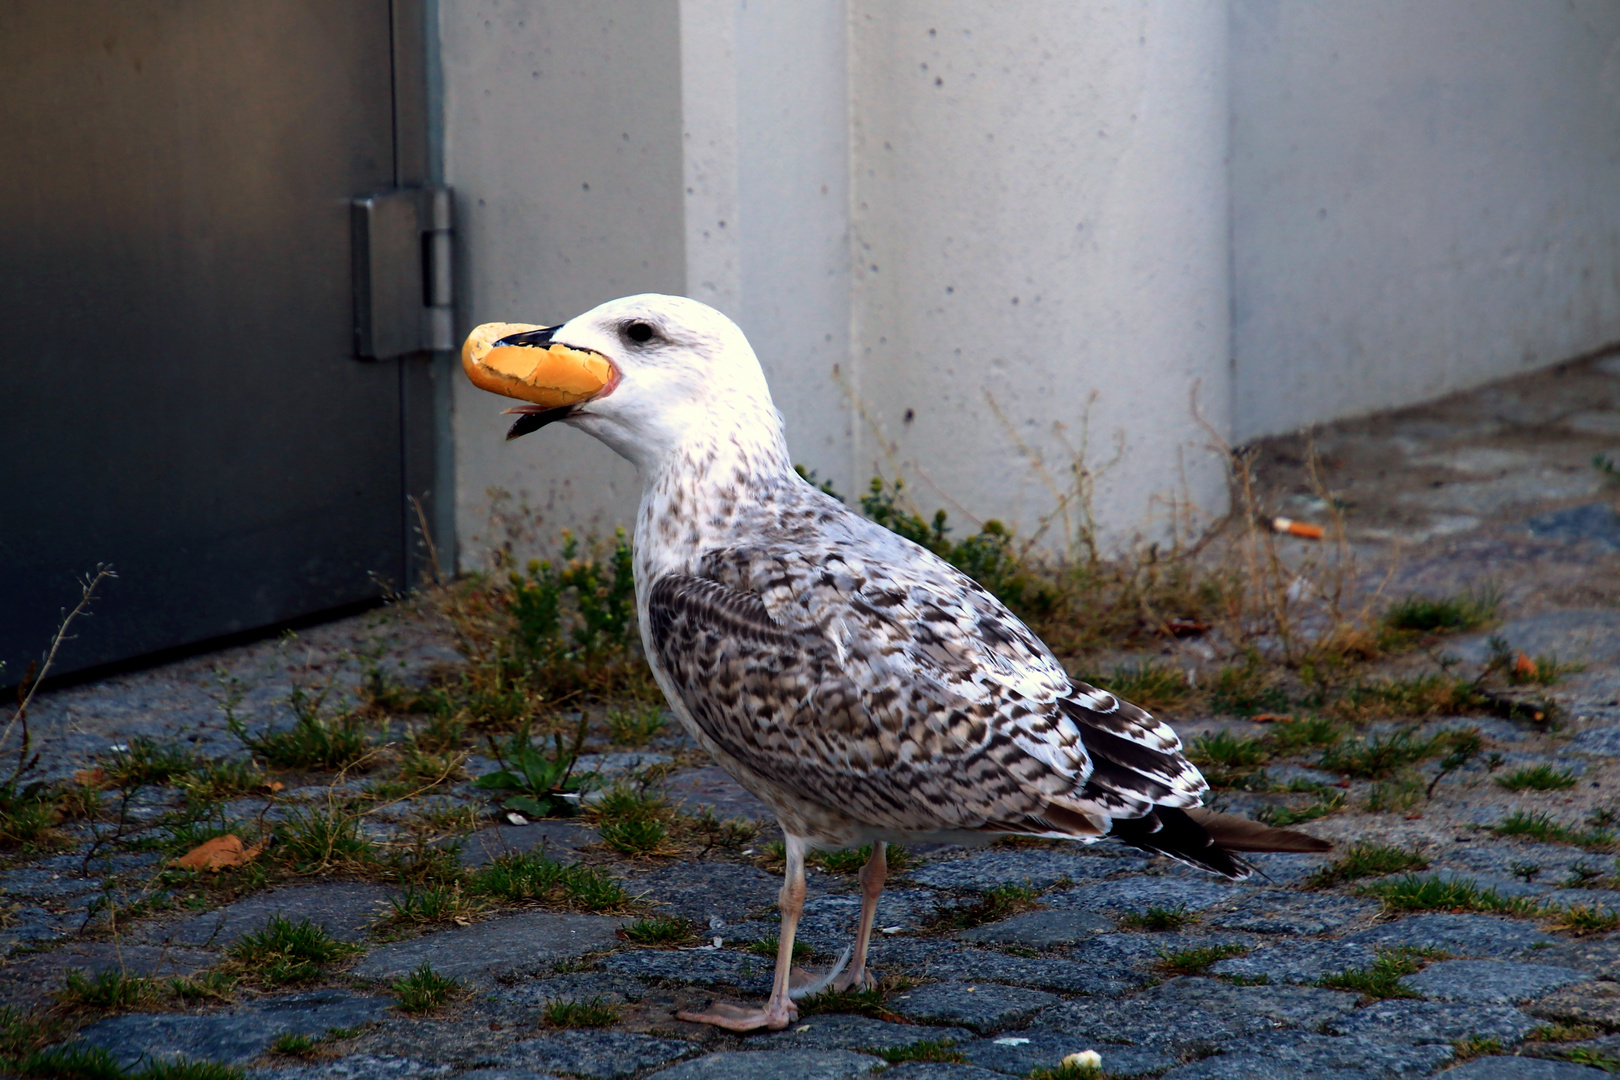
x=1581, y=1003
x=364, y=1067
x=1041, y=929
x=981, y=1006
x=1040, y=869
x=774, y=1065
x=1399, y=1020
x=748, y=972
x=1299, y=1056
x=34, y=977
x=1483, y=936
x=939, y=1070
x=346, y=909
x=1021, y=1052
x=558, y=841
x=1278, y=912
x=598, y=1054
x=1297, y=961
x=525, y=943
x=1207, y=1012
x=938, y=959
x=233, y=1036
x=1139, y=894
x=1494, y=982
x=1522, y=1068
x=843, y=1032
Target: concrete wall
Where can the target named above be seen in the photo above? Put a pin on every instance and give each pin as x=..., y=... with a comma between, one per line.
x=1039, y=209
x=562, y=138
x=965, y=238
x=1425, y=197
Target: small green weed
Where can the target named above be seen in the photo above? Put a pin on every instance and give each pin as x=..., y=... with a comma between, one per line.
x=534, y=877
x=1198, y=960
x=433, y=905
x=423, y=990
x=848, y=1002
x=997, y=904
x=1543, y=829
x=23, y=1033
x=1587, y=919
x=75, y=1061
x=1435, y=694
x=1593, y=1056
x=940, y=1050
x=1364, y=861
x=1606, y=465
x=1395, y=795
x=1228, y=751
x=1246, y=690
x=850, y=860
x=287, y=952
x=1561, y=1033
x=590, y=1013
x=203, y=986
x=107, y=989
x=322, y=838
x=1159, y=919
x=215, y=780
x=27, y=814
x=1062, y=1071
x=146, y=761
x=660, y=932
x=1327, y=802
x=1426, y=615
x=644, y=837
x=1289, y=735
x=292, y=1044
x=1375, y=758
x=529, y=781
x=1475, y=1046
x=637, y=725
x=315, y=741
x=1381, y=979
x=1542, y=777
x=1414, y=893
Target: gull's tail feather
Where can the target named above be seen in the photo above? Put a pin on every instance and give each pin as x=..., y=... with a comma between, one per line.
x=1210, y=840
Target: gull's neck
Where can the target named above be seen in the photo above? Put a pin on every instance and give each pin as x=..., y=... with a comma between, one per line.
x=721, y=481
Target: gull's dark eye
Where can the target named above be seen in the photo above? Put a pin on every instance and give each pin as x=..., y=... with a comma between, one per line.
x=638, y=331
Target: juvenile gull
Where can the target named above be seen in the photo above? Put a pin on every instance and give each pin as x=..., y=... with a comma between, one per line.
x=860, y=686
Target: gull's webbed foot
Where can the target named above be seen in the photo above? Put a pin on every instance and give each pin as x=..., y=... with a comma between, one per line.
x=775, y=1015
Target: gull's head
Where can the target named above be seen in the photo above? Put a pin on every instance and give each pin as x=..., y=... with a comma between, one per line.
x=645, y=374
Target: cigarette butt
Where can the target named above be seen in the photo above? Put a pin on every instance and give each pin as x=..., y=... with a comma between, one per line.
x=1296, y=528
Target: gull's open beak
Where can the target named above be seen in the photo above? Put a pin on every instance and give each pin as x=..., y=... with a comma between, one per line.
x=521, y=361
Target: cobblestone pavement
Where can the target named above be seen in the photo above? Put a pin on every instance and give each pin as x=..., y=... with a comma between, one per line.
x=1236, y=982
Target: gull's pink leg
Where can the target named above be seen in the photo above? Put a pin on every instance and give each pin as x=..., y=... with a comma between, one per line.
x=871, y=877
x=779, y=1011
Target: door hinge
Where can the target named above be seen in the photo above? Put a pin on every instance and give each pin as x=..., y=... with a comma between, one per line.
x=404, y=288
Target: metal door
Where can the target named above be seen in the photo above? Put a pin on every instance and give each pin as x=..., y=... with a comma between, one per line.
x=179, y=395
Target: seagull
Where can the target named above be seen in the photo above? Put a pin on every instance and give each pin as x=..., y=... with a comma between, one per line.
x=864, y=689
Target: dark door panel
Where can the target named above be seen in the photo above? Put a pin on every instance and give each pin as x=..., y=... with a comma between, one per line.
x=177, y=392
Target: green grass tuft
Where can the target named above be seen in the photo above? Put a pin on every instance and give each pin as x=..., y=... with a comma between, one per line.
x=293, y=1044
x=1379, y=980
x=424, y=990
x=636, y=725
x=1159, y=919
x=997, y=904
x=1587, y=919
x=1543, y=829
x=534, y=877
x=107, y=989
x=1450, y=614
x=315, y=741
x=1364, y=861
x=287, y=952
x=1414, y=893
x=767, y=946
x=1542, y=777
x=1198, y=960
x=940, y=1050
x=433, y=905
x=661, y=932
x=590, y=1013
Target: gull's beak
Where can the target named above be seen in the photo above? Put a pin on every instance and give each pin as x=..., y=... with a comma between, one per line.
x=522, y=361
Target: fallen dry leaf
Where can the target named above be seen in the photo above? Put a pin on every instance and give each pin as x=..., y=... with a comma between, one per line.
x=1524, y=667
x=90, y=777
x=1271, y=718
x=272, y=786
x=218, y=854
